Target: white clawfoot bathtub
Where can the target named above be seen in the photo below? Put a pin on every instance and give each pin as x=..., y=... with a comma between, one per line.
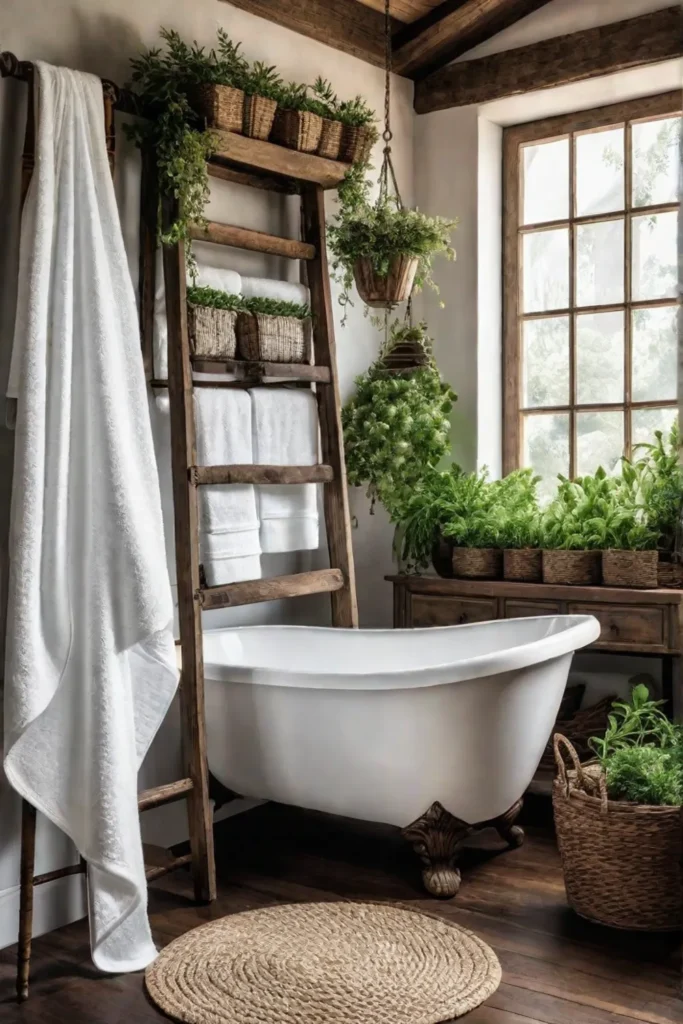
x=381, y=724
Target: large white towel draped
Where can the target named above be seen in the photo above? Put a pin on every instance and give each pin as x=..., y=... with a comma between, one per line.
x=91, y=666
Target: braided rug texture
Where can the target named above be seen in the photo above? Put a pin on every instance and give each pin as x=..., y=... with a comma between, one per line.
x=323, y=963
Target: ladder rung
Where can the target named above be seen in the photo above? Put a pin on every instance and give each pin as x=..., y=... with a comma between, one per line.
x=158, y=870
x=266, y=182
x=247, y=474
x=50, y=876
x=320, y=581
x=249, y=370
x=160, y=795
x=257, y=241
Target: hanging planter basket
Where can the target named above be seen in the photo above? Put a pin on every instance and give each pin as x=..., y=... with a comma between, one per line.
x=406, y=356
x=629, y=569
x=383, y=292
x=259, y=114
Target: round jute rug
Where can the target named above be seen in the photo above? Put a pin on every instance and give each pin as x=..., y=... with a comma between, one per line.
x=323, y=963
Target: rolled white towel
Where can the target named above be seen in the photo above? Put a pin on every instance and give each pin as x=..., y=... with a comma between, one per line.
x=286, y=434
x=267, y=288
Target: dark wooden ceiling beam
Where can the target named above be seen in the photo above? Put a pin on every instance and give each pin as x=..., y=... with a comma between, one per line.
x=648, y=39
x=346, y=25
x=453, y=28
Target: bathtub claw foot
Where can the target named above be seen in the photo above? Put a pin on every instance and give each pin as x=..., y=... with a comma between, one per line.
x=505, y=826
x=435, y=837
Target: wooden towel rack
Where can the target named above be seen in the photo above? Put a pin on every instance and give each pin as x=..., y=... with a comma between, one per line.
x=273, y=168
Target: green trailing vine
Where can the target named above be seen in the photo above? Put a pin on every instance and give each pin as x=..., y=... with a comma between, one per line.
x=216, y=299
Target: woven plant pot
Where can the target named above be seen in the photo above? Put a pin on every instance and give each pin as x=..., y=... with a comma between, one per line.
x=406, y=356
x=380, y=292
x=356, y=143
x=298, y=129
x=211, y=331
x=669, y=574
x=578, y=725
x=273, y=339
x=221, y=106
x=572, y=568
x=259, y=113
x=442, y=557
x=477, y=563
x=622, y=862
x=629, y=568
x=330, y=139
x=525, y=565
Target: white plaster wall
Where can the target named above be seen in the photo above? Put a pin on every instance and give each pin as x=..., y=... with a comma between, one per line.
x=99, y=36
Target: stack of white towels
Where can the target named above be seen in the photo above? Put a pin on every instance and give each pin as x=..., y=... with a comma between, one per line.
x=260, y=426
x=239, y=522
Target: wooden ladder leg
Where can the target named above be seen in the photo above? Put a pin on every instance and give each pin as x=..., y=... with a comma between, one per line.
x=335, y=494
x=183, y=455
x=28, y=858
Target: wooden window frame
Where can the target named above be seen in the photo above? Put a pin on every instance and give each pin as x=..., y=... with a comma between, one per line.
x=514, y=138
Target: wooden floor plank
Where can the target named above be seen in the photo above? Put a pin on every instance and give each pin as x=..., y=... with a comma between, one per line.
x=557, y=969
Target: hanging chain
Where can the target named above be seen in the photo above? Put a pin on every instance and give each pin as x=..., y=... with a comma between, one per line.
x=387, y=174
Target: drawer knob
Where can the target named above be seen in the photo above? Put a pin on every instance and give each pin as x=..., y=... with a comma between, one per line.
x=614, y=629
x=462, y=619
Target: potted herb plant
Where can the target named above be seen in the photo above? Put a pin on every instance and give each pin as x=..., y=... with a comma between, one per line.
x=474, y=529
x=660, y=480
x=618, y=820
x=520, y=536
x=359, y=133
x=622, y=530
x=297, y=125
x=262, y=87
x=324, y=101
x=396, y=426
x=571, y=546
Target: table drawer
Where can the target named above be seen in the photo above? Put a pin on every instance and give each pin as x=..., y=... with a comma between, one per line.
x=450, y=611
x=633, y=626
x=528, y=609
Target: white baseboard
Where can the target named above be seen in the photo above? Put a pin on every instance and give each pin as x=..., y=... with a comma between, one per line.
x=54, y=905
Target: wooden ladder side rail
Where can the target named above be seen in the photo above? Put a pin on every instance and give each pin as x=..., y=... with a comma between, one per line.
x=183, y=455
x=335, y=493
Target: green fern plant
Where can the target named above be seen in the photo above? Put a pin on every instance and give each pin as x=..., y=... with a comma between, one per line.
x=216, y=299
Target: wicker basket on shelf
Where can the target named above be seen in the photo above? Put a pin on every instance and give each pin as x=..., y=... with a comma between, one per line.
x=477, y=563
x=211, y=331
x=330, y=139
x=356, y=143
x=525, y=565
x=622, y=862
x=669, y=573
x=572, y=568
x=380, y=292
x=259, y=114
x=273, y=339
x=629, y=568
x=221, y=106
x=298, y=129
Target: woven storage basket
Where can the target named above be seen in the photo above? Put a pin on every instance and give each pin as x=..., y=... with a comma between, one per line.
x=629, y=568
x=575, y=568
x=477, y=563
x=523, y=564
x=259, y=113
x=579, y=725
x=622, y=862
x=273, y=339
x=356, y=143
x=669, y=574
x=330, y=139
x=381, y=292
x=221, y=106
x=442, y=557
x=211, y=331
x=298, y=129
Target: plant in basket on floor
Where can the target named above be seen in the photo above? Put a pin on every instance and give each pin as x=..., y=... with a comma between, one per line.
x=618, y=819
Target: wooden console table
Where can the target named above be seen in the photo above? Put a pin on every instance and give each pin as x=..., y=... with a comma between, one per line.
x=642, y=622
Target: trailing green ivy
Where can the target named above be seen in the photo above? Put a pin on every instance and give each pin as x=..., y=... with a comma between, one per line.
x=216, y=299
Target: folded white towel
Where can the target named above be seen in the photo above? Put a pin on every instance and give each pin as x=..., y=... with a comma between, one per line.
x=91, y=666
x=267, y=288
x=209, y=277
x=286, y=434
x=229, y=527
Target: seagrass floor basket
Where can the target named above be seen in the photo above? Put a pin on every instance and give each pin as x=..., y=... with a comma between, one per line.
x=622, y=862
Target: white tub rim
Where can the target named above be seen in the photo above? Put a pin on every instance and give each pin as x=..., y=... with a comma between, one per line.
x=580, y=630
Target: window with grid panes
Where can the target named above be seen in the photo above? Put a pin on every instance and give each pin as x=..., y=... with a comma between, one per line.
x=591, y=284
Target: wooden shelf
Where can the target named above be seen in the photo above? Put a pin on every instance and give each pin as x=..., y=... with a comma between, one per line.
x=248, y=370
x=258, y=156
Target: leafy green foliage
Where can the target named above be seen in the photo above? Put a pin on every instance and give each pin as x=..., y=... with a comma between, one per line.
x=356, y=113
x=263, y=80
x=594, y=513
x=658, y=477
x=641, y=752
x=216, y=299
x=382, y=231
x=396, y=426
